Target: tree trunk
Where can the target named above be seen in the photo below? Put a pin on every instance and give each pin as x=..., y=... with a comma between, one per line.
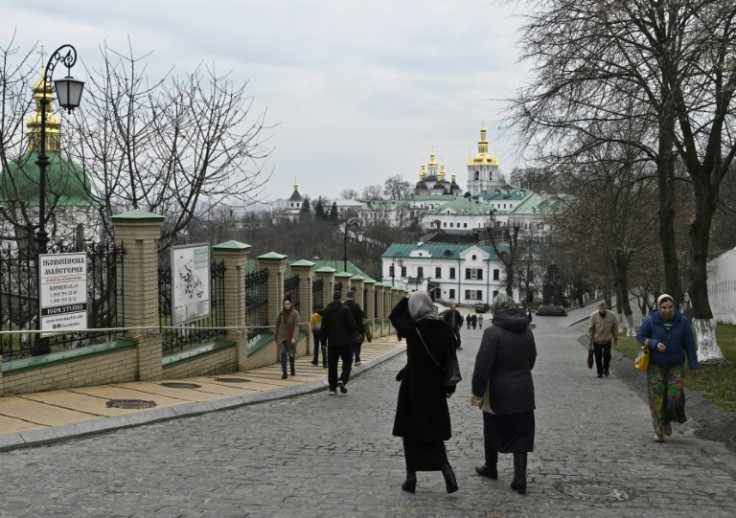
x=699, y=234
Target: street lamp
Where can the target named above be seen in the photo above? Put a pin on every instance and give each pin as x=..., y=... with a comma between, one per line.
x=69, y=93
x=350, y=222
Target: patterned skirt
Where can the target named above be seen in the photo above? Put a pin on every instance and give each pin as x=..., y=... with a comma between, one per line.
x=666, y=395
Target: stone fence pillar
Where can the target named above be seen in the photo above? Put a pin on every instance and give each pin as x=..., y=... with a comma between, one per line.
x=139, y=232
x=235, y=257
x=276, y=265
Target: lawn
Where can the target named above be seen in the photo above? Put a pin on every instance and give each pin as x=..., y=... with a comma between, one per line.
x=717, y=381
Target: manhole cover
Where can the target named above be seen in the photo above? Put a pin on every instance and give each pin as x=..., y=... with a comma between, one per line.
x=593, y=492
x=175, y=384
x=130, y=403
x=232, y=380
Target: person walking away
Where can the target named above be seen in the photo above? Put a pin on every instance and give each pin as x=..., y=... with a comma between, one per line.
x=286, y=335
x=602, y=329
x=422, y=417
x=668, y=335
x=357, y=313
x=316, y=324
x=474, y=320
x=338, y=326
x=454, y=319
x=468, y=321
x=480, y=321
x=503, y=388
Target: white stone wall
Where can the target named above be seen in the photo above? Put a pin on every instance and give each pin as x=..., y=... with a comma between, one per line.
x=722, y=287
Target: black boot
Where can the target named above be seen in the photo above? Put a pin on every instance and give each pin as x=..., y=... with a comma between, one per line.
x=291, y=362
x=519, y=483
x=450, y=481
x=410, y=484
x=489, y=468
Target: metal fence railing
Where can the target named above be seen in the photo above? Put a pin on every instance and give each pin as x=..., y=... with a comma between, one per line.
x=19, y=298
x=256, y=302
x=291, y=291
x=197, y=332
x=317, y=292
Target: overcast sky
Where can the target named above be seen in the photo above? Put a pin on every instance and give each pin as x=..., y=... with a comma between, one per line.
x=356, y=91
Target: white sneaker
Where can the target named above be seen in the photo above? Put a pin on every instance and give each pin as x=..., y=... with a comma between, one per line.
x=332, y=393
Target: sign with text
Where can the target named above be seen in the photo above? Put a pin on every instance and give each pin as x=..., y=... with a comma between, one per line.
x=63, y=291
x=190, y=283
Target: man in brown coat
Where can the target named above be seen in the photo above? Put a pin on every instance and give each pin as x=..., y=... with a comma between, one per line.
x=602, y=329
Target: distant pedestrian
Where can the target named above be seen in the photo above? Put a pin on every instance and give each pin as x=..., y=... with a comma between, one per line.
x=358, y=336
x=319, y=345
x=529, y=314
x=338, y=328
x=480, y=321
x=474, y=321
x=504, y=389
x=669, y=337
x=422, y=416
x=454, y=319
x=603, y=328
x=468, y=321
x=286, y=334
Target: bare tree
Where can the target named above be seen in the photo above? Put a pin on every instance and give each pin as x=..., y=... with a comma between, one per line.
x=169, y=146
x=396, y=188
x=371, y=193
x=349, y=194
x=667, y=64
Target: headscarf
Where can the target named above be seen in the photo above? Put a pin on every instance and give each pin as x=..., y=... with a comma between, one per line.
x=663, y=297
x=502, y=302
x=421, y=306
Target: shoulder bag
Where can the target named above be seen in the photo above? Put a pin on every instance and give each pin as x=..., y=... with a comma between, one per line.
x=642, y=359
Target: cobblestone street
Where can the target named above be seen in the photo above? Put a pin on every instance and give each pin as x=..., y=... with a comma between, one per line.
x=334, y=456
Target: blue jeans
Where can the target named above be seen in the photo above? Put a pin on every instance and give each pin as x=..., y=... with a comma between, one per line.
x=284, y=356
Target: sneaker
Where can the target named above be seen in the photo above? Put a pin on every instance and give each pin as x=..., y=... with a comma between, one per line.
x=358, y=363
x=284, y=376
x=315, y=362
x=342, y=387
x=332, y=392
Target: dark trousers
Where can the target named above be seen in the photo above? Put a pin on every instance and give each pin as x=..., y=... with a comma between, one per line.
x=317, y=346
x=355, y=346
x=334, y=354
x=602, y=353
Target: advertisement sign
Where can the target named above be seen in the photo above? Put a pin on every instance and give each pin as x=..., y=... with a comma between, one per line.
x=63, y=291
x=190, y=283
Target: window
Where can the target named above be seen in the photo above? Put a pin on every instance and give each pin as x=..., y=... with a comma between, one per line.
x=452, y=294
x=403, y=271
x=467, y=273
x=467, y=294
x=391, y=270
x=495, y=292
x=420, y=271
x=465, y=225
x=438, y=272
x=496, y=274
x=452, y=273
x=473, y=274
x=479, y=295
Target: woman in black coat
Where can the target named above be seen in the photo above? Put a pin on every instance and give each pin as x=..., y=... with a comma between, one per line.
x=422, y=417
x=503, y=388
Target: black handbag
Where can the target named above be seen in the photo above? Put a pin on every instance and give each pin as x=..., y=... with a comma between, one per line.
x=452, y=368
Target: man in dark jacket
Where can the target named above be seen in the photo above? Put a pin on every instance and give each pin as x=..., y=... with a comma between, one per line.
x=357, y=313
x=455, y=320
x=338, y=326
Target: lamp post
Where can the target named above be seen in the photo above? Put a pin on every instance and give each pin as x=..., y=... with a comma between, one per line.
x=69, y=93
x=350, y=222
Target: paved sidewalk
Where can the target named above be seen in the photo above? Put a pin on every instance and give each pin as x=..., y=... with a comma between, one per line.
x=46, y=417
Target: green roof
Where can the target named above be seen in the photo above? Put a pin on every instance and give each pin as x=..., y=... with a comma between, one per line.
x=462, y=206
x=435, y=250
x=67, y=183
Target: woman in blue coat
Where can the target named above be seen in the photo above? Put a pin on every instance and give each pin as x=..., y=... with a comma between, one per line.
x=669, y=337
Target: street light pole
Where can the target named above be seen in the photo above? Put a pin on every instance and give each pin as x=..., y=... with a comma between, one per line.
x=69, y=92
